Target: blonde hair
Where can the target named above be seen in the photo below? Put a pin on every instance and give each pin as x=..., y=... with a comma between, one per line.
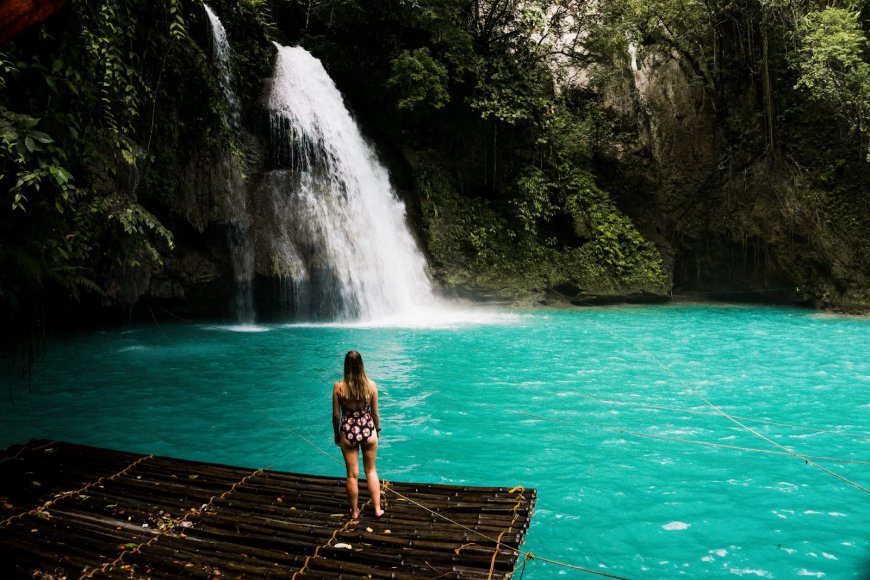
x=357, y=385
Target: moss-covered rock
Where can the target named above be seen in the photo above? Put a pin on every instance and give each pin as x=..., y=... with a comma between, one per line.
x=473, y=245
x=742, y=221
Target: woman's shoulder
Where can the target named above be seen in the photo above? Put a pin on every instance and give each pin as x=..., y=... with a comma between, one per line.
x=336, y=387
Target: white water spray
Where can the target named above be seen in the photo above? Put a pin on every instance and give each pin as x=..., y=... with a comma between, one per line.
x=343, y=239
x=221, y=50
x=241, y=253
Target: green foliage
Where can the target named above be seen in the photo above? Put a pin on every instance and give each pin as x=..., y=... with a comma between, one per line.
x=830, y=58
x=832, y=66
x=515, y=203
x=177, y=26
x=107, y=37
x=134, y=227
x=494, y=144
x=32, y=161
x=680, y=27
x=613, y=242
x=471, y=243
x=418, y=79
x=533, y=201
x=444, y=23
x=457, y=230
x=509, y=94
x=89, y=132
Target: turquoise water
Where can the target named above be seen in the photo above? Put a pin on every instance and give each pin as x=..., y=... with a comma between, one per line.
x=600, y=409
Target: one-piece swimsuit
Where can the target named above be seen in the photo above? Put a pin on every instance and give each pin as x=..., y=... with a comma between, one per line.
x=357, y=425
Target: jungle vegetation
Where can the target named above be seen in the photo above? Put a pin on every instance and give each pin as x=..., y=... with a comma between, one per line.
x=500, y=120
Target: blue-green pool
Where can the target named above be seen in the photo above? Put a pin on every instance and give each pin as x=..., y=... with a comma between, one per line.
x=601, y=409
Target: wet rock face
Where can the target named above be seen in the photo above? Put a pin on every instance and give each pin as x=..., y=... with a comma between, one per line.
x=738, y=224
x=211, y=190
x=676, y=124
x=194, y=282
x=209, y=206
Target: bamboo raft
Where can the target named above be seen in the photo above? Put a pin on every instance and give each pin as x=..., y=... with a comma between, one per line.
x=75, y=511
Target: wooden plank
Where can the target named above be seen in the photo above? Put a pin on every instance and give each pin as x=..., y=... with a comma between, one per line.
x=118, y=514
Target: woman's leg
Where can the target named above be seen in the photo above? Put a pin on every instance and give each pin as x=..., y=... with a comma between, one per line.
x=370, y=454
x=351, y=462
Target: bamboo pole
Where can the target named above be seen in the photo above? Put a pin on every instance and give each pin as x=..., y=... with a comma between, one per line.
x=253, y=525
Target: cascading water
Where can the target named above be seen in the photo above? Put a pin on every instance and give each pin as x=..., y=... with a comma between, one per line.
x=221, y=51
x=238, y=240
x=341, y=241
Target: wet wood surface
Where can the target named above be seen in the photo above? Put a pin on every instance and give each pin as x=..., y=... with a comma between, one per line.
x=69, y=510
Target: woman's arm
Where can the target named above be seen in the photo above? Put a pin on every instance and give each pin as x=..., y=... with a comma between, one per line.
x=336, y=414
x=376, y=415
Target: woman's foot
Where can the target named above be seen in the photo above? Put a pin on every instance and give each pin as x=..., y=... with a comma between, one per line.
x=379, y=513
x=354, y=514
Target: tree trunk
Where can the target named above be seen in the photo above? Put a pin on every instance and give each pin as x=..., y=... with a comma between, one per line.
x=767, y=89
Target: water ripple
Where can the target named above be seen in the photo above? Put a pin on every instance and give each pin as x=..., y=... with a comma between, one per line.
x=604, y=410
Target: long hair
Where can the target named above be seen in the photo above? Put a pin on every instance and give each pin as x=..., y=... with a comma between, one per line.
x=356, y=382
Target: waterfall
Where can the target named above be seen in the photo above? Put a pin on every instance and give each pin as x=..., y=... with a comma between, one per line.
x=241, y=252
x=342, y=244
x=221, y=52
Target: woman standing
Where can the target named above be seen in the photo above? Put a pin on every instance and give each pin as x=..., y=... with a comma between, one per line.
x=356, y=423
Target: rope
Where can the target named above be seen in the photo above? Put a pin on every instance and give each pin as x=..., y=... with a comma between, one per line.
x=750, y=419
x=26, y=448
x=329, y=455
x=57, y=498
x=172, y=525
x=533, y=556
x=677, y=439
x=805, y=458
x=530, y=555
x=497, y=542
x=454, y=522
x=329, y=542
x=386, y=488
x=718, y=410
x=523, y=565
x=510, y=527
x=738, y=447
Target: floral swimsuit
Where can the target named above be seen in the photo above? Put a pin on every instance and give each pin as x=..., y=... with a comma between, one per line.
x=357, y=425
